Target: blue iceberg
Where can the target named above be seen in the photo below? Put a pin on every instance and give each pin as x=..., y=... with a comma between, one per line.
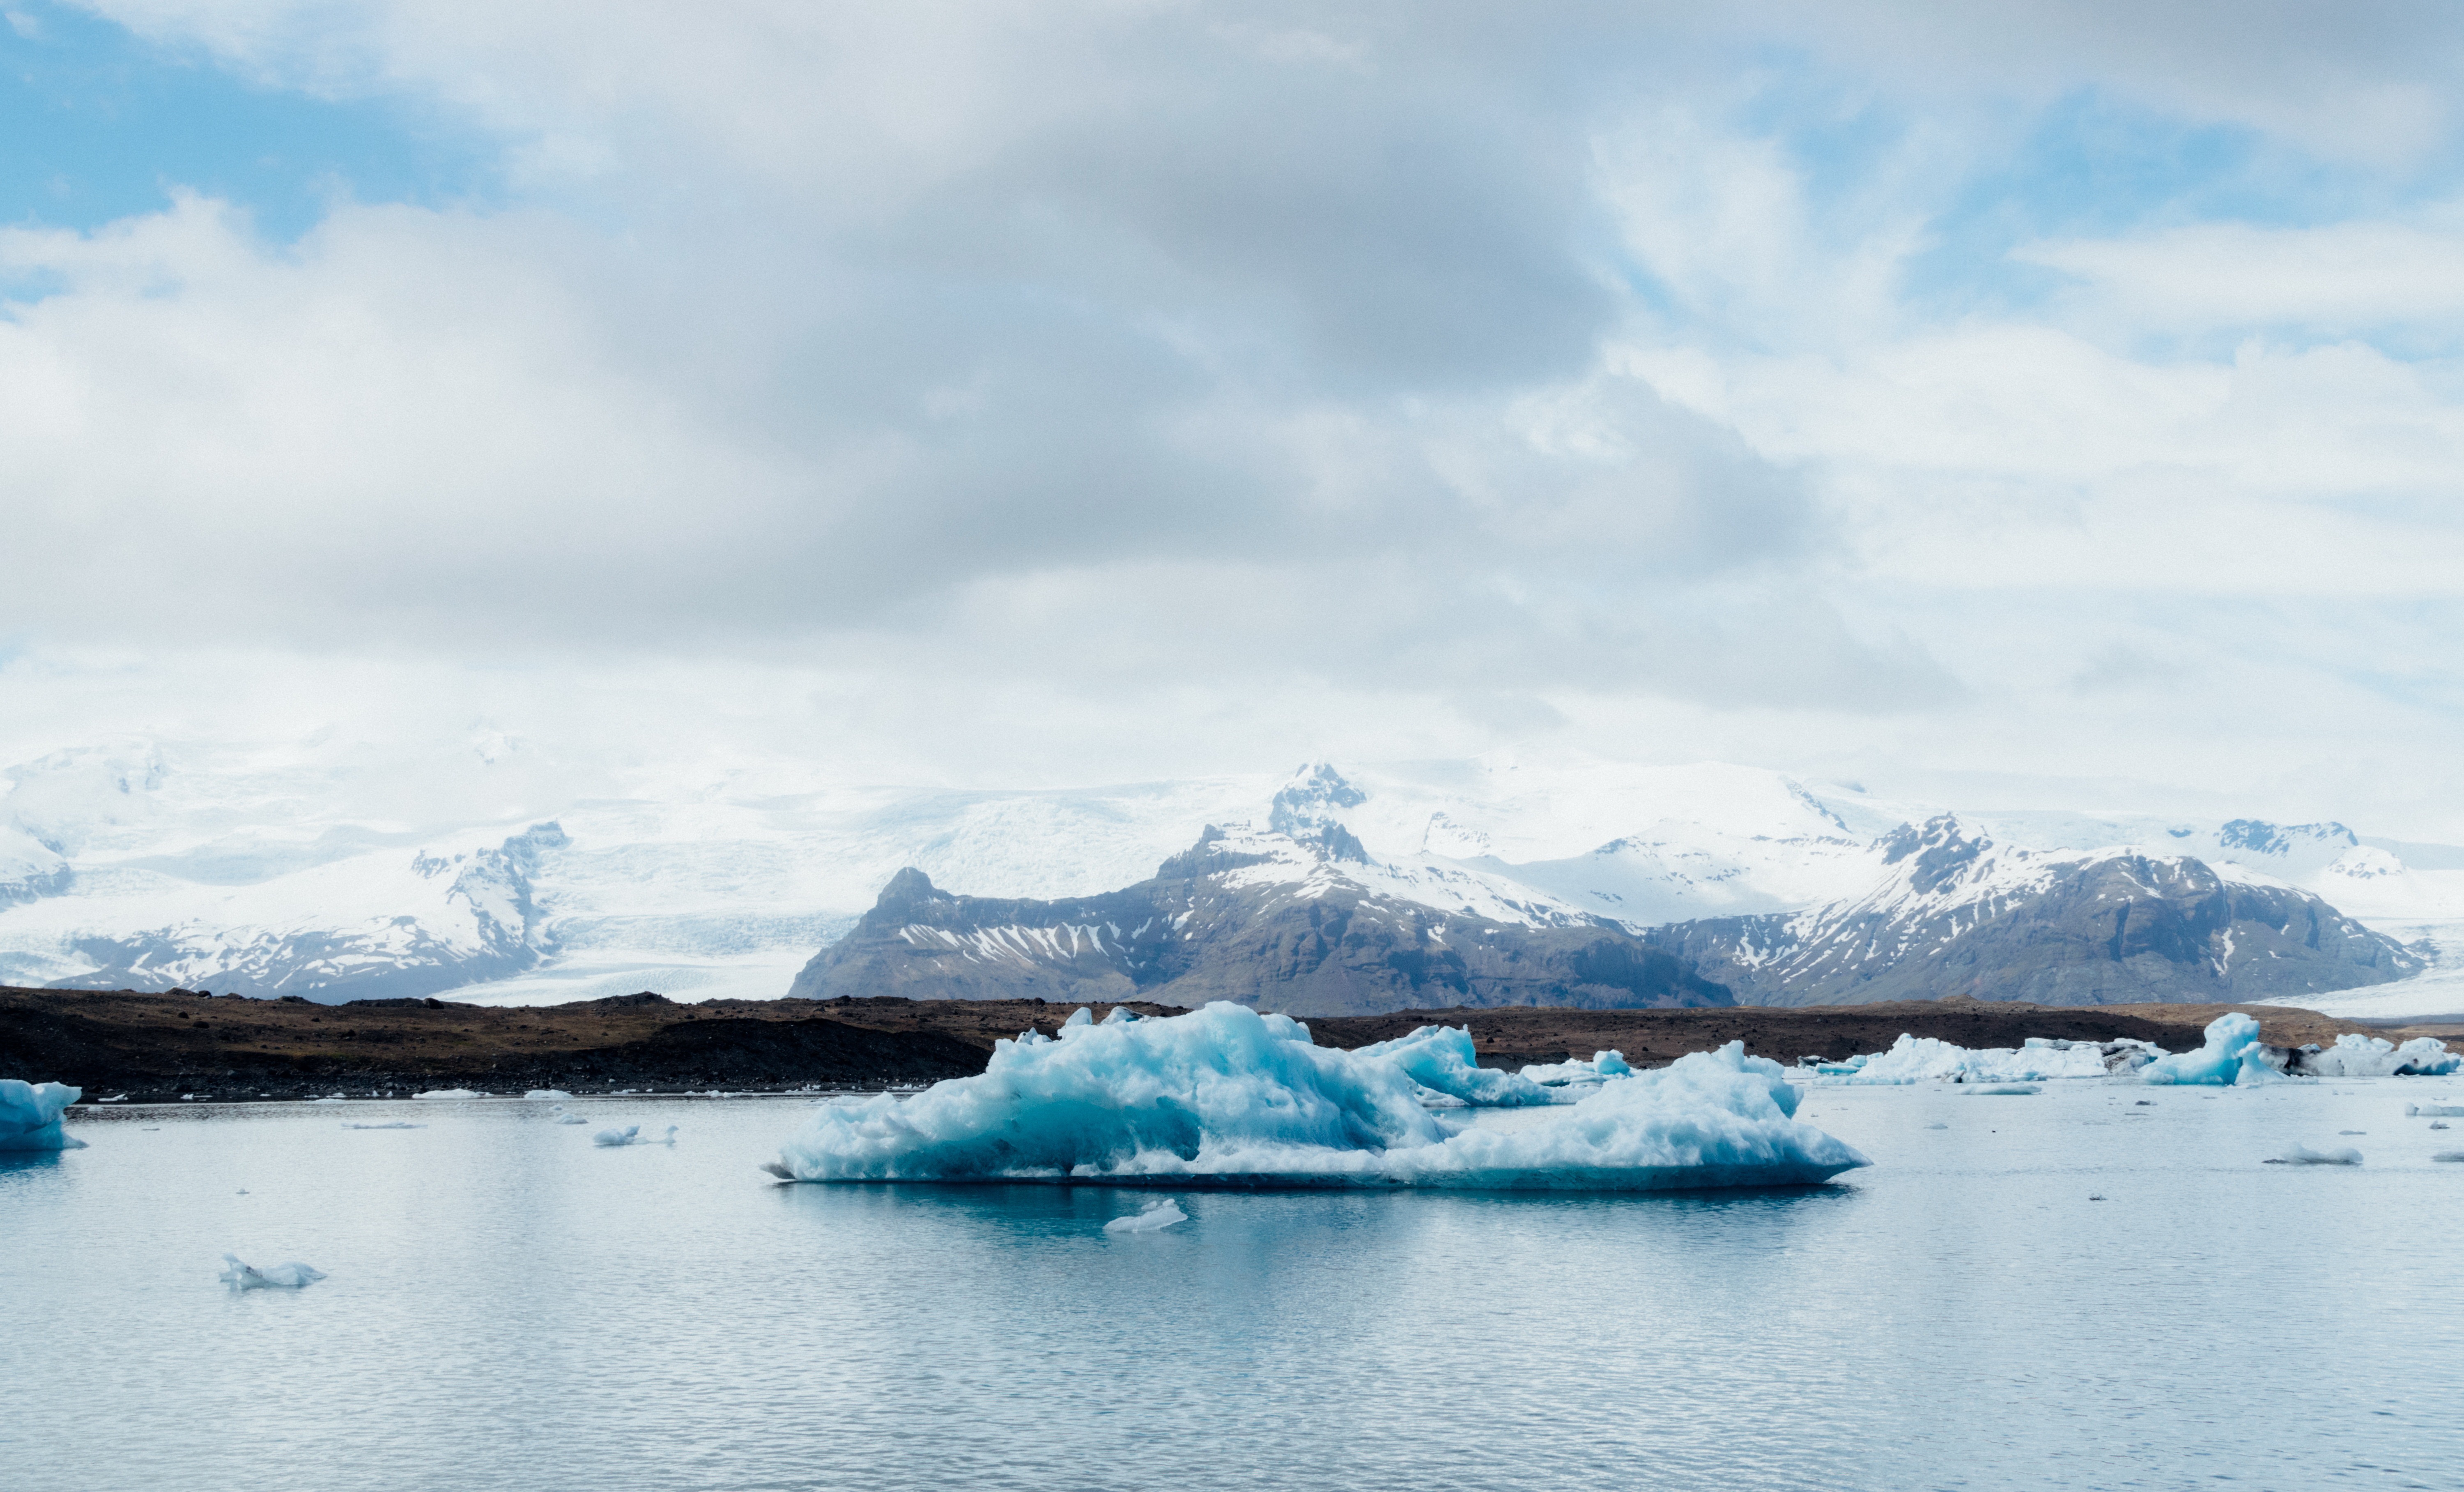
x=1602, y=1066
x=29, y=1116
x=294, y=1276
x=2230, y=1055
x=1440, y=1057
x=1914, y=1059
x=1224, y=1095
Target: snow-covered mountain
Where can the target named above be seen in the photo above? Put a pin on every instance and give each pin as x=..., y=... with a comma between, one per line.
x=1955, y=913
x=316, y=868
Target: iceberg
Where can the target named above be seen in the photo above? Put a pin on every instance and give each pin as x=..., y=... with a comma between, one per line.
x=294, y=1276
x=1602, y=1066
x=2303, y=1155
x=557, y=1095
x=448, y=1093
x=2356, y=1056
x=631, y=1134
x=1928, y=1058
x=1440, y=1057
x=2008, y=1090
x=2433, y=1111
x=29, y=1116
x=2230, y=1055
x=1224, y=1096
x=1154, y=1219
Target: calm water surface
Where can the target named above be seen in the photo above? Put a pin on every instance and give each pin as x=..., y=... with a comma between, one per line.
x=510, y=1308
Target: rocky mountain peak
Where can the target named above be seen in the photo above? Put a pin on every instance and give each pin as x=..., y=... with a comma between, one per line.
x=1940, y=850
x=1306, y=809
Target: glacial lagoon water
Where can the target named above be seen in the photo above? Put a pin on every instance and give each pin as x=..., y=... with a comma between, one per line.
x=508, y=1305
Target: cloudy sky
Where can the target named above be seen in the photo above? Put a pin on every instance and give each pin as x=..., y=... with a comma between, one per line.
x=2055, y=402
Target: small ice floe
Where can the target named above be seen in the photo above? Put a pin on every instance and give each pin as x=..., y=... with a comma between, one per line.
x=330, y=1098
x=566, y=1116
x=1937, y=1125
x=294, y=1276
x=1156, y=1218
x=447, y=1092
x=2438, y=1124
x=2303, y=1155
x=552, y=1095
x=2095, y=1196
x=2352, y=1131
x=631, y=1134
x=117, y=1098
x=29, y=1116
x=2011, y=1090
x=2433, y=1111
x=391, y=1123
x=2455, y=1156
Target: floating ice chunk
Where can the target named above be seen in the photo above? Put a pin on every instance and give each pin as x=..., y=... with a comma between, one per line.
x=294, y=1276
x=556, y=1094
x=1915, y=1059
x=1937, y=1125
x=571, y=1118
x=396, y=1123
x=330, y=1098
x=2356, y=1056
x=631, y=1134
x=2448, y=1155
x=2014, y=1090
x=2303, y=1155
x=1226, y=1096
x=1440, y=1057
x=1156, y=1218
x=29, y=1116
x=447, y=1092
x=2433, y=1111
x=2230, y=1055
x=1602, y=1066
x=2438, y=1124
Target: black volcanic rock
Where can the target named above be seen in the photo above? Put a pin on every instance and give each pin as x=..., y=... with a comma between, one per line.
x=1959, y=916
x=1302, y=935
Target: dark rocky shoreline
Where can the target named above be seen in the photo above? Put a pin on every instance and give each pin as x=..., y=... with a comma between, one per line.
x=155, y=1048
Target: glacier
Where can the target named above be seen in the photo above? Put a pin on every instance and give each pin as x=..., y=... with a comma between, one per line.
x=1440, y=1057
x=2229, y=1053
x=29, y=1116
x=2356, y=1056
x=1225, y=1096
x=1915, y=1059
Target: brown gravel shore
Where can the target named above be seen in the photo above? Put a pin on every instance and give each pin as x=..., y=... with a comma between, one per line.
x=155, y=1047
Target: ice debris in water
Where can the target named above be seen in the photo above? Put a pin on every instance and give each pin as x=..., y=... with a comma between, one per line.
x=2011, y=1090
x=1440, y=1057
x=447, y=1092
x=2356, y=1056
x=2230, y=1055
x=2303, y=1155
x=2433, y=1111
x=558, y=1095
x=1915, y=1059
x=631, y=1134
x=1602, y=1066
x=1156, y=1218
x=396, y=1123
x=1937, y=1125
x=2448, y=1155
x=293, y=1276
x=1224, y=1095
x=29, y=1116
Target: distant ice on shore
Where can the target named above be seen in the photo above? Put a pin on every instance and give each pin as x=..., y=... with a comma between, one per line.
x=1913, y=1060
x=29, y=1116
x=448, y=1093
x=1224, y=1095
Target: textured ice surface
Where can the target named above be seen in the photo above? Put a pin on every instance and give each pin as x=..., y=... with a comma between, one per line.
x=2356, y=1056
x=1928, y=1059
x=2303, y=1155
x=2230, y=1055
x=1226, y=1096
x=1161, y=1215
x=29, y=1115
x=1442, y=1057
x=293, y=1276
x=631, y=1134
x=1602, y=1066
